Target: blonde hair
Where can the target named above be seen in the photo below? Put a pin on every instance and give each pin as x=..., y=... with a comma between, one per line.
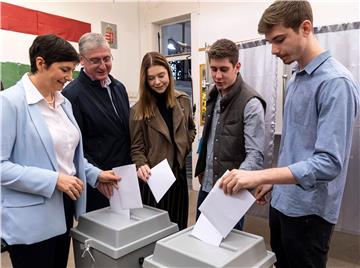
x=145, y=107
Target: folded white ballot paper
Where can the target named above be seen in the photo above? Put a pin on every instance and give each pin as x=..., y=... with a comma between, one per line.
x=161, y=179
x=224, y=211
x=205, y=231
x=127, y=196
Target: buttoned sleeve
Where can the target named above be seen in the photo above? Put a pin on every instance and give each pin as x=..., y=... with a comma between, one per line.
x=337, y=108
x=254, y=133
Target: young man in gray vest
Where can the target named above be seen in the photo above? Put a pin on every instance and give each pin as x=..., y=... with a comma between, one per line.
x=322, y=101
x=234, y=130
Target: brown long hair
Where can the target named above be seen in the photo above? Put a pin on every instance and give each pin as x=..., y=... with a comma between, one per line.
x=146, y=105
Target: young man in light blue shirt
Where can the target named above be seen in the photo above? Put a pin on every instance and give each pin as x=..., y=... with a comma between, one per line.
x=321, y=104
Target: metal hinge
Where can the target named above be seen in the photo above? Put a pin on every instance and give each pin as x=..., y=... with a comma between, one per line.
x=86, y=247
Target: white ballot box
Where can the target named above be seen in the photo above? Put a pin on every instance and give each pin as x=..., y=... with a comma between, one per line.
x=238, y=249
x=104, y=238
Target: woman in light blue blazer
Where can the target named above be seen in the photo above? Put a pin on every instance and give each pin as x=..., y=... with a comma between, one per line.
x=43, y=171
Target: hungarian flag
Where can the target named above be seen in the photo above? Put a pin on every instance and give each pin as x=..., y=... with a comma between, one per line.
x=18, y=28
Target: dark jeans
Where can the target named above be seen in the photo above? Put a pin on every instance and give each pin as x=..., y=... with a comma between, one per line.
x=50, y=253
x=299, y=241
x=201, y=197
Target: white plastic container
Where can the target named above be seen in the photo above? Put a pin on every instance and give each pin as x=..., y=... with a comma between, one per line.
x=239, y=249
x=103, y=238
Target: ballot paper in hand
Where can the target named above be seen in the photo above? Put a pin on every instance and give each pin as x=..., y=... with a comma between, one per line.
x=224, y=211
x=127, y=196
x=161, y=179
x=205, y=231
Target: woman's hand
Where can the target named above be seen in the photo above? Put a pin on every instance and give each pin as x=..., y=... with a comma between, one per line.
x=144, y=173
x=70, y=185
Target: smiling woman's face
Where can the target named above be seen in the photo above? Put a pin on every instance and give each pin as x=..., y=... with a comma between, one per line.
x=55, y=76
x=158, y=78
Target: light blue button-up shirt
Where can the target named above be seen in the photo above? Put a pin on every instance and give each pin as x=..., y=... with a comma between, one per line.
x=321, y=103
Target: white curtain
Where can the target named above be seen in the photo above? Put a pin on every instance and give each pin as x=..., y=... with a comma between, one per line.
x=343, y=41
x=259, y=69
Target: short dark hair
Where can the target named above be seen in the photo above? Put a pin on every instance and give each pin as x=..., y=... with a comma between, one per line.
x=52, y=49
x=288, y=13
x=224, y=48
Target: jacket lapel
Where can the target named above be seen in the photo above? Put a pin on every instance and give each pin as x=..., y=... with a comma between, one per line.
x=43, y=131
x=178, y=116
x=159, y=125
x=77, y=157
x=69, y=114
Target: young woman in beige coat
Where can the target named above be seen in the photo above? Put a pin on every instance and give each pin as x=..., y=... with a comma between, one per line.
x=162, y=127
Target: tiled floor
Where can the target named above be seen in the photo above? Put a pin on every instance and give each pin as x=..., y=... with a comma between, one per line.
x=344, y=249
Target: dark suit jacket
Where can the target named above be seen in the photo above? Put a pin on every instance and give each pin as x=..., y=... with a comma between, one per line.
x=105, y=133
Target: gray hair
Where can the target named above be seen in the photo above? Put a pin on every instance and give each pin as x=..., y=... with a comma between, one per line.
x=90, y=41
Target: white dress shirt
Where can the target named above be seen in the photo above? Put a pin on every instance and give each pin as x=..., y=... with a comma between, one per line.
x=64, y=134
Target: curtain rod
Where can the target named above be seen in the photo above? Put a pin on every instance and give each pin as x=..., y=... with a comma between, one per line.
x=317, y=30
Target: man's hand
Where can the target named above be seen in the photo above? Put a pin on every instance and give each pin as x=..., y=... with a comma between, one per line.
x=260, y=193
x=106, y=188
x=238, y=179
x=70, y=185
x=144, y=173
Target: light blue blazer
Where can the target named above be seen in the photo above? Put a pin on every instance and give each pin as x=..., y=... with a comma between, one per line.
x=32, y=208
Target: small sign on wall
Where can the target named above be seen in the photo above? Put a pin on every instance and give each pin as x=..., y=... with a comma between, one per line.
x=202, y=93
x=108, y=30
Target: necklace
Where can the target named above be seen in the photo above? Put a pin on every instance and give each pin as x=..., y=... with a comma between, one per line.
x=52, y=101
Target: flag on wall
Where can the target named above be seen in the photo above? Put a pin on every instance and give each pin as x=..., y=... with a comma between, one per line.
x=19, y=26
x=25, y=20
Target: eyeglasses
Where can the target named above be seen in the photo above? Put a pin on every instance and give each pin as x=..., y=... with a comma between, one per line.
x=98, y=61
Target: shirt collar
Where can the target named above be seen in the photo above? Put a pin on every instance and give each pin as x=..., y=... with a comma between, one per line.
x=103, y=83
x=315, y=63
x=106, y=82
x=33, y=95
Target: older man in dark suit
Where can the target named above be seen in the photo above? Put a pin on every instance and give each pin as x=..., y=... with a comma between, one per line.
x=101, y=108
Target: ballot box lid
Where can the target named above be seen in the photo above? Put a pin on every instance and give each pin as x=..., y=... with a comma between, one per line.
x=238, y=249
x=116, y=235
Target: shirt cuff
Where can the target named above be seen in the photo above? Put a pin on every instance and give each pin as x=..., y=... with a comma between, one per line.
x=303, y=175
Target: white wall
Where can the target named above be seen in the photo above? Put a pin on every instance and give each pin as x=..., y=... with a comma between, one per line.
x=15, y=46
